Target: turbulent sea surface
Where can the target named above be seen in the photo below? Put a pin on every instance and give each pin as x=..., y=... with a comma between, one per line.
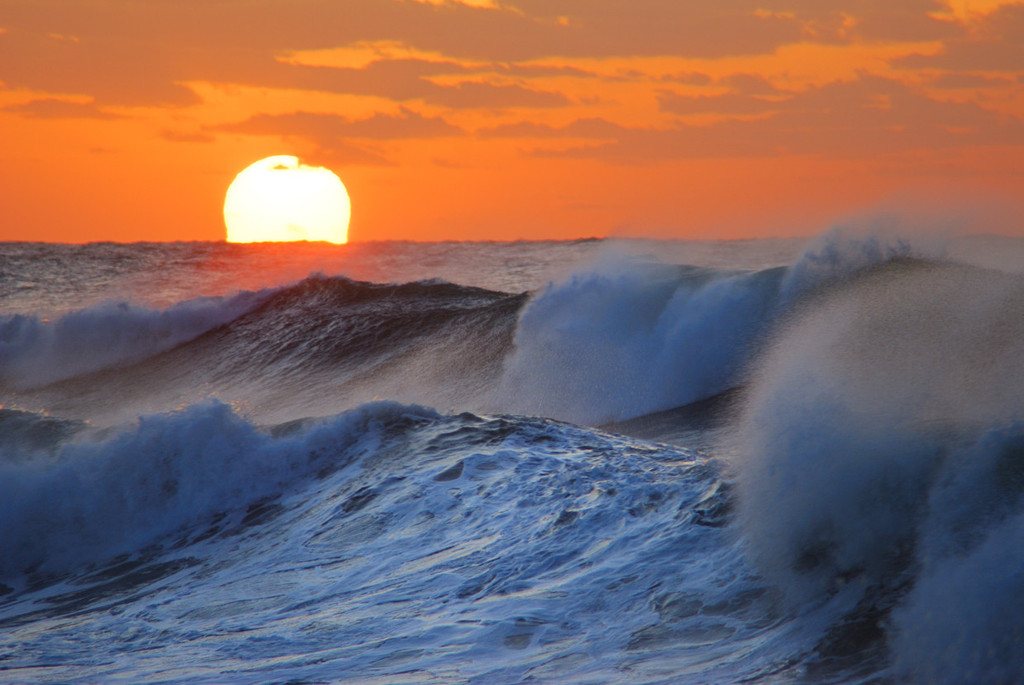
x=584, y=462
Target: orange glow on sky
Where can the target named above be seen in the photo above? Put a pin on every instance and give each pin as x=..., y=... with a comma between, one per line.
x=485, y=119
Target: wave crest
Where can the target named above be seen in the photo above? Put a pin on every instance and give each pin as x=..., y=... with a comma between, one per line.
x=632, y=337
x=97, y=496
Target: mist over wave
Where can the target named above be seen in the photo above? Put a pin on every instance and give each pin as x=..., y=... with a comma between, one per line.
x=879, y=447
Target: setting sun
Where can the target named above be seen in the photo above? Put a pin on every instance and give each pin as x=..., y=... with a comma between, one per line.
x=279, y=199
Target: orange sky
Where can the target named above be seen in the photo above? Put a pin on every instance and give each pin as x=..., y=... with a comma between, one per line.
x=485, y=119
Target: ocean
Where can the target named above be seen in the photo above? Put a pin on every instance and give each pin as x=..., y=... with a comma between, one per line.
x=595, y=461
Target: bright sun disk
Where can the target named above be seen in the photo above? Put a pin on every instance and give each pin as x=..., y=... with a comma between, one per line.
x=280, y=199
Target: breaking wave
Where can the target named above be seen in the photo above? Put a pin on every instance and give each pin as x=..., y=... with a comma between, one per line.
x=880, y=447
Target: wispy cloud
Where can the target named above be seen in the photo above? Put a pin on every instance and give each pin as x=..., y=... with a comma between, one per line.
x=52, y=108
x=330, y=128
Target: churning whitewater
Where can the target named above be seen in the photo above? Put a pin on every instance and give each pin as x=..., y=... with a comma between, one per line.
x=593, y=461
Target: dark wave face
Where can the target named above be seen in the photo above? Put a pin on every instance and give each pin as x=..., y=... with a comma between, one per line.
x=337, y=325
x=317, y=347
x=322, y=478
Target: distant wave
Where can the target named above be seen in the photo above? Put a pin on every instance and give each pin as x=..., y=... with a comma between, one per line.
x=334, y=322
x=319, y=331
x=35, y=352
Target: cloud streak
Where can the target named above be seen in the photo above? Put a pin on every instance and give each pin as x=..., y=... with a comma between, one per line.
x=52, y=108
x=331, y=128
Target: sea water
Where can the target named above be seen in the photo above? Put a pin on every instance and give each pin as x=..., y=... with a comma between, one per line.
x=594, y=461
